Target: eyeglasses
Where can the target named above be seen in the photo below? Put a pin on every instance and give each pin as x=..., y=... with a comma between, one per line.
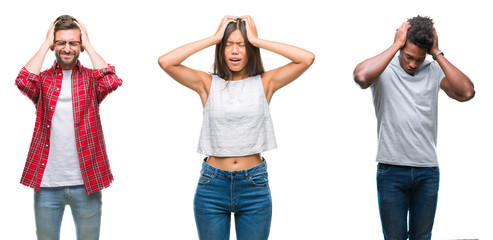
x=71, y=43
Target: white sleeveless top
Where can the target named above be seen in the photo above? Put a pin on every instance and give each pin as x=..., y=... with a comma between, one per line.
x=237, y=119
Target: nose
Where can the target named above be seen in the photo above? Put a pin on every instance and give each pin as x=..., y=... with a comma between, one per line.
x=66, y=47
x=235, y=49
x=412, y=64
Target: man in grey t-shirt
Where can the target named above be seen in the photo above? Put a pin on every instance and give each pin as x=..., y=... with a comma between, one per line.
x=405, y=95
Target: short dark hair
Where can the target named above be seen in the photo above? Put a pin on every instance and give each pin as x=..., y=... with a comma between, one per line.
x=254, y=64
x=421, y=32
x=65, y=22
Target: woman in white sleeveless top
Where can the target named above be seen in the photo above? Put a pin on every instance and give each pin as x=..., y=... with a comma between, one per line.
x=237, y=125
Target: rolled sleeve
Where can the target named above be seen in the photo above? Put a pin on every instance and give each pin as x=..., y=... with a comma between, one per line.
x=107, y=81
x=28, y=84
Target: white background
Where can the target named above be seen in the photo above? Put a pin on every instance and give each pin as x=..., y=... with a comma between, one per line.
x=322, y=176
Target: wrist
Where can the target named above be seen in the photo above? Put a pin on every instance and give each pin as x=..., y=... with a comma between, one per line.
x=256, y=42
x=436, y=53
x=47, y=44
x=396, y=47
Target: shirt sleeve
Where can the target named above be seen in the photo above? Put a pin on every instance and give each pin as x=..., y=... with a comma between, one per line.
x=29, y=84
x=106, y=81
x=437, y=70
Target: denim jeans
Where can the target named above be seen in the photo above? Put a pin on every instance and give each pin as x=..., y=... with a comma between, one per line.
x=404, y=189
x=49, y=205
x=245, y=193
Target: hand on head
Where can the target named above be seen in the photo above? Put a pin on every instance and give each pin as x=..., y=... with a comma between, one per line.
x=434, y=48
x=251, y=29
x=222, y=27
x=83, y=34
x=50, y=36
x=401, y=34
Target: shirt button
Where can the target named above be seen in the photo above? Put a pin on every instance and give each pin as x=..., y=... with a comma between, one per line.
x=47, y=126
x=46, y=145
x=42, y=164
x=58, y=89
x=51, y=108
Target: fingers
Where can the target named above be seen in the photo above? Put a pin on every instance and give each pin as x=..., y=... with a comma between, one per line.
x=401, y=34
x=227, y=19
x=50, y=36
x=434, y=48
x=250, y=26
x=80, y=25
x=405, y=26
x=222, y=26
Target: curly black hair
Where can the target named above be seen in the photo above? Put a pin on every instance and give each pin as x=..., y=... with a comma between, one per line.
x=421, y=32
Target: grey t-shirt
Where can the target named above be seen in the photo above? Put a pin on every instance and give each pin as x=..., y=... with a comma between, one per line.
x=406, y=110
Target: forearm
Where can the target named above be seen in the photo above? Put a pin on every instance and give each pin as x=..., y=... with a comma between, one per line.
x=97, y=61
x=177, y=56
x=367, y=72
x=35, y=64
x=458, y=85
x=295, y=54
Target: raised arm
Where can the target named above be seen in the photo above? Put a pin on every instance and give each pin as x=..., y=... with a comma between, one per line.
x=275, y=79
x=104, y=74
x=28, y=79
x=35, y=64
x=367, y=72
x=196, y=80
x=96, y=60
x=456, y=84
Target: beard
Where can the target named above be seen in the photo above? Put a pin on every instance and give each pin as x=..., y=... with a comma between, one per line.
x=67, y=63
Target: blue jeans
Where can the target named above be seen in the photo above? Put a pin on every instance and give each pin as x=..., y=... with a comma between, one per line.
x=49, y=205
x=404, y=189
x=246, y=193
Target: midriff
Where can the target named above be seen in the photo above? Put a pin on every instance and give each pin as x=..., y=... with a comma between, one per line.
x=235, y=163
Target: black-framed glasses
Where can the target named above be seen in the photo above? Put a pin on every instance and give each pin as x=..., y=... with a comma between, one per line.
x=71, y=43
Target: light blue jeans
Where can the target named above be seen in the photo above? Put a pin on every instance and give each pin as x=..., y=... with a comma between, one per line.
x=49, y=205
x=403, y=190
x=245, y=193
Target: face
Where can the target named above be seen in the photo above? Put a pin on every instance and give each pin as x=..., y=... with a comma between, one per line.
x=411, y=57
x=235, y=54
x=68, y=53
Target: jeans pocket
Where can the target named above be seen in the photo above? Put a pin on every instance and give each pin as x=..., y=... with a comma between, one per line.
x=435, y=169
x=259, y=179
x=205, y=177
x=383, y=168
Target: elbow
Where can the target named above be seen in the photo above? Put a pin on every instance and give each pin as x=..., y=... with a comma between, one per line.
x=306, y=61
x=361, y=80
x=468, y=95
x=310, y=58
x=164, y=63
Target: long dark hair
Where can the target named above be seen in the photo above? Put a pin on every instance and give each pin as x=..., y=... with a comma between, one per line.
x=254, y=64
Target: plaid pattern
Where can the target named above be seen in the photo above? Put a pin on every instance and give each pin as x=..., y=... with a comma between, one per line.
x=89, y=88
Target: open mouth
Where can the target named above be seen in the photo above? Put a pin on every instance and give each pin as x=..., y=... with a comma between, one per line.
x=235, y=60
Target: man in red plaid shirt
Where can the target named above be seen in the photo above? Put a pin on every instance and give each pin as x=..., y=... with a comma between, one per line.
x=67, y=162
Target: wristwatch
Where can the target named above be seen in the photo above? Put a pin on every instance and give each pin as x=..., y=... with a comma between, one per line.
x=437, y=53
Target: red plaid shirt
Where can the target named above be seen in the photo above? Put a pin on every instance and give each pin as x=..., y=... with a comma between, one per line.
x=89, y=88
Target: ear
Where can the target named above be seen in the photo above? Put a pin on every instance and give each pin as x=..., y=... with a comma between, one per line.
x=81, y=48
x=52, y=47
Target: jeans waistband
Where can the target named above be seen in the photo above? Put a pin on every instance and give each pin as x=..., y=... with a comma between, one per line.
x=262, y=167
